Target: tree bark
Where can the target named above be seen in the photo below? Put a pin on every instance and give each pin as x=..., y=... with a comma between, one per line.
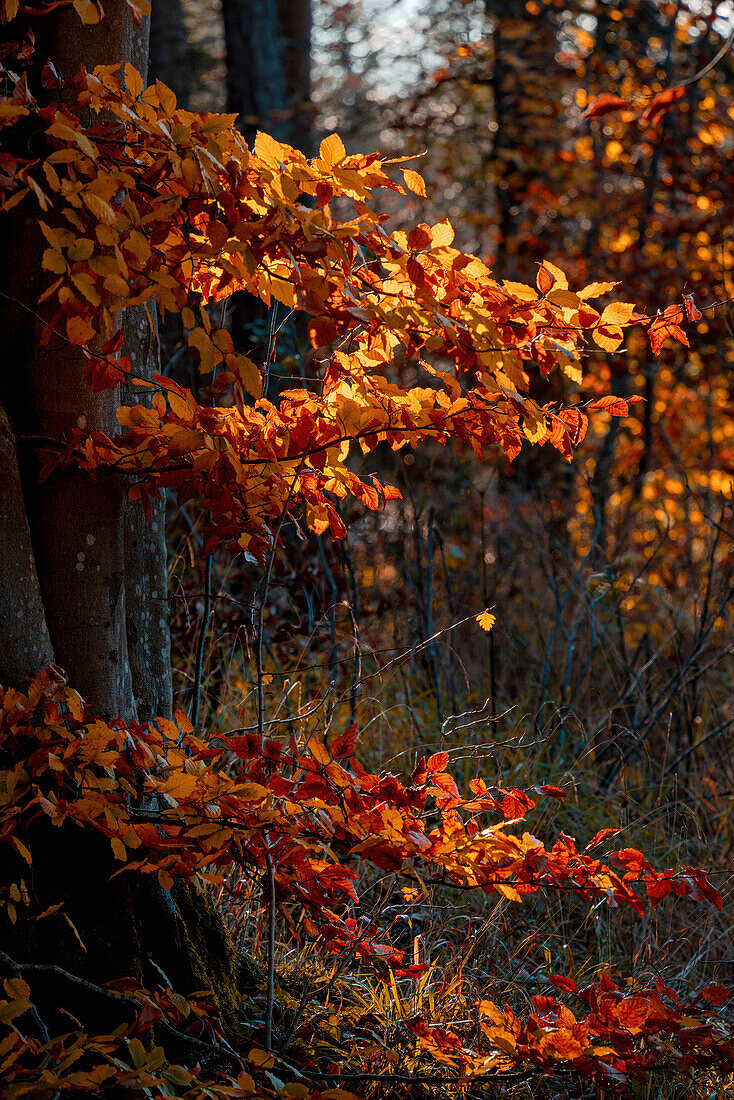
x=269, y=67
x=169, y=52
x=144, y=552
x=26, y=644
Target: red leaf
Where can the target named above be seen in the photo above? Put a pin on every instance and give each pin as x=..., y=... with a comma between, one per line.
x=420, y=775
x=445, y=783
x=560, y=981
x=438, y=762
x=345, y=744
x=544, y=280
x=552, y=792
x=662, y=102
x=715, y=994
x=597, y=838
x=617, y=406
x=605, y=104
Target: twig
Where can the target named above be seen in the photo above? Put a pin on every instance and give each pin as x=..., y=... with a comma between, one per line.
x=271, y=946
x=195, y=698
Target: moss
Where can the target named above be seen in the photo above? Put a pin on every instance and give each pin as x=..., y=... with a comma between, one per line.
x=185, y=936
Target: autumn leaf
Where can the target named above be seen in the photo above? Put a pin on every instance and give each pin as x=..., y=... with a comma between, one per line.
x=414, y=182
x=332, y=150
x=437, y=762
x=486, y=620
x=661, y=103
x=667, y=325
x=605, y=104
x=715, y=994
x=345, y=743
x=79, y=330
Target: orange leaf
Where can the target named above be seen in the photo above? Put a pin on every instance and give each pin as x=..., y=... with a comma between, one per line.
x=605, y=104
x=438, y=762
x=79, y=330
x=414, y=182
x=661, y=103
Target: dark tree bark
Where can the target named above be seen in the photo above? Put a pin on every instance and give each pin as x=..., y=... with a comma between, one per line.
x=269, y=67
x=269, y=88
x=83, y=583
x=169, y=60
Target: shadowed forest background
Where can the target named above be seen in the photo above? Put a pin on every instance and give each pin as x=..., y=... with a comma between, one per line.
x=591, y=139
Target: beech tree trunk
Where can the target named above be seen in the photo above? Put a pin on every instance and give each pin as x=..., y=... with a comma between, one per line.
x=83, y=584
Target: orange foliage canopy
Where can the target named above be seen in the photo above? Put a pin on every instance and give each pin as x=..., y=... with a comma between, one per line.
x=148, y=203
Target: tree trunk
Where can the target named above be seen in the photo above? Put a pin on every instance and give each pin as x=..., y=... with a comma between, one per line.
x=83, y=582
x=169, y=52
x=268, y=88
x=269, y=67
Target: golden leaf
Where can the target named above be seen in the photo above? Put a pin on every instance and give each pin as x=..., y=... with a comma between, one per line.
x=414, y=182
x=332, y=150
x=486, y=620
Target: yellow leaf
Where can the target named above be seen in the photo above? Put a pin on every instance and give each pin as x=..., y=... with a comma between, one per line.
x=508, y=892
x=182, y=406
x=250, y=792
x=20, y=848
x=81, y=249
x=208, y=354
x=50, y=235
x=260, y=1059
x=442, y=234
x=566, y=299
x=133, y=80
x=521, y=291
x=54, y=261
x=99, y=208
x=119, y=849
x=283, y=291
x=88, y=12
x=180, y=784
x=246, y=373
x=486, y=620
x=332, y=150
x=571, y=369
x=318, y=751
x=269, y=150
x=561, y=282
x=76, y=137
x=10, y=1009
x=414, y=182
x=617, y=313
x=595, y=290
x=609, y=338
